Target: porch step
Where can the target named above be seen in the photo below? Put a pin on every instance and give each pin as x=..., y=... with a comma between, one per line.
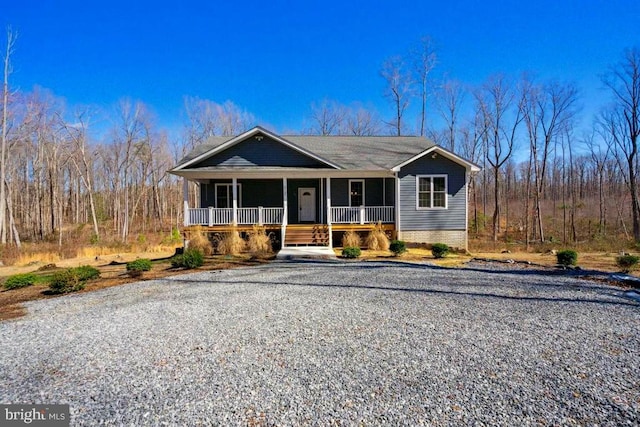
x=307, y=235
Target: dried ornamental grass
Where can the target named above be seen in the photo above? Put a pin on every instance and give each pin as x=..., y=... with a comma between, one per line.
x=377, y=239
x=231, y=244
x=351, y=239
x=259, y=242
x=200, y=242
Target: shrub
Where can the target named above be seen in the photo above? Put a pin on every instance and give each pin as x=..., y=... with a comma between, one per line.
x=94, y=239
x=351, y=252
x=231, y=244
x=87, y=272
x=66, y=281
x=173, y=238
x=627, y=262
x=199, y=240
x=191, y=258
x=377, y=239
x=136, y=267
x=20, y=281
x=439, y=250
x=259, y=242
x=398, y=247
x=351, y=239
x=567, y=257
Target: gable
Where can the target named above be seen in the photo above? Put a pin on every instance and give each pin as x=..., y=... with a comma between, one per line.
x=259, y=151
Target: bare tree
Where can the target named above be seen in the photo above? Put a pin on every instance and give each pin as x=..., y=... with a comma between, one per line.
x=501, y=116
x=451, y=96
x=207, y=118
x=11, y=40
x=548, y=110
x=362, y=121
x=424, y=61
x=80, y=157
x=328, y=117
x=399, y=89
x=623, y=124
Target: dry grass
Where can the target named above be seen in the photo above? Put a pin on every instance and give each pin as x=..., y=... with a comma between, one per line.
x=351, y=239
x=259, y=242
x=377, y=239
x=37, y=257
x=198, y=240
x=231, y=244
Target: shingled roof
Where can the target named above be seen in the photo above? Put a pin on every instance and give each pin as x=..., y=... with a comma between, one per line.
x=347, y=152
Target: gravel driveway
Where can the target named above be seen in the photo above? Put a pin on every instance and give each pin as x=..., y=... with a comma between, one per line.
x=333, y=343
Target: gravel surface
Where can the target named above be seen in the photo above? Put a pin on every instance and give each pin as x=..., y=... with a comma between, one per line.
x=333, y=343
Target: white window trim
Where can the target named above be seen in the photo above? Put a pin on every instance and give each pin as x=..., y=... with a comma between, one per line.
x=363, y=192
x=229, y=194
x=446, y=192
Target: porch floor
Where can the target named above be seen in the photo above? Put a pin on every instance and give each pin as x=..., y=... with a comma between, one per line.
x=292, y=252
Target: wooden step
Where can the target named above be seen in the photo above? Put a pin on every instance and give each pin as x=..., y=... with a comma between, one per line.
x=307, y=235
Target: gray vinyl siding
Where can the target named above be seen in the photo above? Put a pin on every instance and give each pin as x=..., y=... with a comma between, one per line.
x=339, y=192
x=390, y=192
x=267, y=152
x=261, y=192
x=255, y=192
x=452, y=218
x=373, y=192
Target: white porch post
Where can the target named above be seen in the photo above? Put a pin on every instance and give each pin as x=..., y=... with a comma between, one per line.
x=185, y=198
x=285, y=211
x=328, y=192
x=234, y=186
x=362, y=218
x=397, y=207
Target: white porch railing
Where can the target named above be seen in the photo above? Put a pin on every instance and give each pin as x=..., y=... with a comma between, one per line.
x=224, y=216
x=362, y=214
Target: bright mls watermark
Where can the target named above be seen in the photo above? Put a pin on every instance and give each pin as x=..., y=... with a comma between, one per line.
x=34, y=415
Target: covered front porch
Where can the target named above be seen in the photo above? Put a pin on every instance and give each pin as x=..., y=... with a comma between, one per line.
x=298, y=206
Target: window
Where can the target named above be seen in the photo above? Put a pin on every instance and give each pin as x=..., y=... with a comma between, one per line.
x=432, y=191
x=356, y=192
x=224, y=195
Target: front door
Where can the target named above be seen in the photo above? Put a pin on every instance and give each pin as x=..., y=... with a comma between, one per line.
x=306, y=204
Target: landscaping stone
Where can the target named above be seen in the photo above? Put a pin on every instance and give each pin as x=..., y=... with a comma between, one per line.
x=334, y=343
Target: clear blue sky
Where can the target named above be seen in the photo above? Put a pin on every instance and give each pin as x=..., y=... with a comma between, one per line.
x=274, y=58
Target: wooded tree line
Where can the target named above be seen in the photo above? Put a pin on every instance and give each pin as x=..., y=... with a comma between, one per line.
x=541, y=178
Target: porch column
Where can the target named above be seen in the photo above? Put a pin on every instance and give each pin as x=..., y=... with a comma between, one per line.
x=285, y=210
x=234, y=186
x=328, y=192
x=185, y=198
x=397, y=207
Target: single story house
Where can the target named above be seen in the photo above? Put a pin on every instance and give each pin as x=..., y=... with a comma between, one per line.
x=309, y=188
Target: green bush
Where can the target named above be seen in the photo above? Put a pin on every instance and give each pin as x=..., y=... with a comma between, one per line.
x=174, y=238
x=627, y=262
x=72, y=279
x=66, y=281
x=86, y=272
x=20, y=281
x=439, y=250
x=398, y=247
x=567, y=257
x=191, y=258
x=139, y=265
x=351, y=252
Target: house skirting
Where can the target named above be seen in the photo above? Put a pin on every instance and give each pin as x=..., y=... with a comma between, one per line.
x=453, y=238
